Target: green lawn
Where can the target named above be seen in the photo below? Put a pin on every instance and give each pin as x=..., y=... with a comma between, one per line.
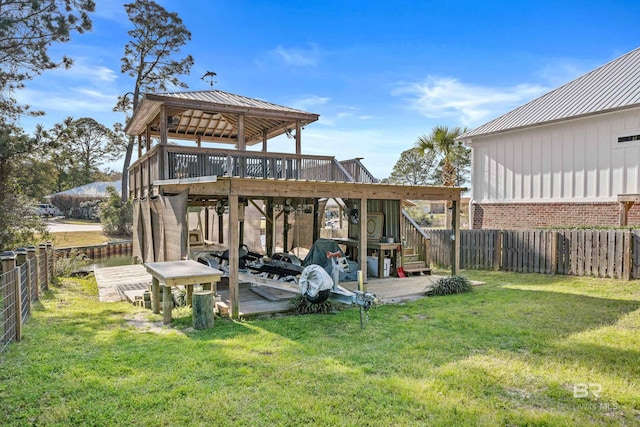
x=520, y=350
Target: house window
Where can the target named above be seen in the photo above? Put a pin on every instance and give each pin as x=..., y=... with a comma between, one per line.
x=625, y=139
x=628, y=138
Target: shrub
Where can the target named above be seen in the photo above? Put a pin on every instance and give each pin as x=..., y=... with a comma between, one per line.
x=66, y=266
x=116, y=216
x=450, y=285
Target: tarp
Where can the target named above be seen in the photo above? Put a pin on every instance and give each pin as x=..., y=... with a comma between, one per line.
x=138, y=235
x=175, y=224
x=147, y=233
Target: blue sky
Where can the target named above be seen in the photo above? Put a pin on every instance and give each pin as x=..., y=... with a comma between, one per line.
x=380, y=74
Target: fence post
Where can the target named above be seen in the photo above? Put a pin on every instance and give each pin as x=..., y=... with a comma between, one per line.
x=497, y=256
x=21, y=259
x=554, y=252
x=51, y=259
x=8, y=259
x=42, y=250
x=31, y=256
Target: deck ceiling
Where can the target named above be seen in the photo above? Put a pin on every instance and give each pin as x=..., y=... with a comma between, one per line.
x=212, y=116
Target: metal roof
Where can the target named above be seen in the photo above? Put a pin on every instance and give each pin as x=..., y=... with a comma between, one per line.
x=212, y=115
x=613, y=86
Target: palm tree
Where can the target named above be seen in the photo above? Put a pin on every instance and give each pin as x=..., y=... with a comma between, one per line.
x=442, y=142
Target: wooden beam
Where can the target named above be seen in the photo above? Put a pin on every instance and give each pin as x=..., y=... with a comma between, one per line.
x=250, y=187
x=234, y=242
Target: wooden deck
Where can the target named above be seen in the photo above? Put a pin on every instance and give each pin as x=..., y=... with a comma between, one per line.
x=128, y=283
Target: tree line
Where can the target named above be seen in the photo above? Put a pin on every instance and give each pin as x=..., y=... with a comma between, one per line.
x=74, y=152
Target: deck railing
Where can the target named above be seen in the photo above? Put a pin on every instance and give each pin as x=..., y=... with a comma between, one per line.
x=356, y=169
x=179, y=162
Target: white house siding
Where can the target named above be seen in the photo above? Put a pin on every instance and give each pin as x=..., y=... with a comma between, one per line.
x=573, y=161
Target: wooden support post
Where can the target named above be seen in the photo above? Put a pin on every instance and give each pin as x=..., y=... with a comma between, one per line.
x=316, y=220
x=8, y=259
x=21, y=259
x=203, y=314
x=264, y=141
x=362, y=245
x=189, y=295
x=455, y=237
x=207, y=234
x=42, y=251
x=624, y=212
x=298, y=137
x=285, y=231
x=234, y=285
x=220, y=228
x=163, y=167
x=33, y=290
x=167, y=304
x=269, y=227
x=155, y=296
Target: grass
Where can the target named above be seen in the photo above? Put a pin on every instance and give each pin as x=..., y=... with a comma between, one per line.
x=79, y=238
x=515, y=351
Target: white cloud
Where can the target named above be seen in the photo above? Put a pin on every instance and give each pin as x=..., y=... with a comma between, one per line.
x=309, y=102
x=298, y=57
x=561, y=71
x=83, y=69
x=447, y=97
x=76, y=102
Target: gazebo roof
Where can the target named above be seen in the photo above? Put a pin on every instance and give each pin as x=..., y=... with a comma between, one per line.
x=212, y=116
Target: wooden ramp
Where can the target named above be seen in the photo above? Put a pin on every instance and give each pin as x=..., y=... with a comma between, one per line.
x=114, y=283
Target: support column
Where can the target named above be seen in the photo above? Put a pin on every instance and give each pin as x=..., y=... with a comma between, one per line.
x=33, y=290
x=163, y=171
x=155, y=296
x=624, y=212
x=8, y=265
x=269, y=227
x=21, y=259
x=234, y=285
x=362, y=245
x=455, y=237
x=42, y=251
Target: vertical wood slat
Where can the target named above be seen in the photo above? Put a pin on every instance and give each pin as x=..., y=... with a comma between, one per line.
x=618, y=254
x=626, y=263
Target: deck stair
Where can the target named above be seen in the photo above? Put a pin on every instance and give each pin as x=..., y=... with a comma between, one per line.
x=412, y=264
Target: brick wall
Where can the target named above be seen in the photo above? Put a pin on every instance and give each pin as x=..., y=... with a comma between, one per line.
x=514, y=216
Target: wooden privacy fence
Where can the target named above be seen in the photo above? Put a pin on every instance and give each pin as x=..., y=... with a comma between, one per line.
x=598, y=253
x=25, y=274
